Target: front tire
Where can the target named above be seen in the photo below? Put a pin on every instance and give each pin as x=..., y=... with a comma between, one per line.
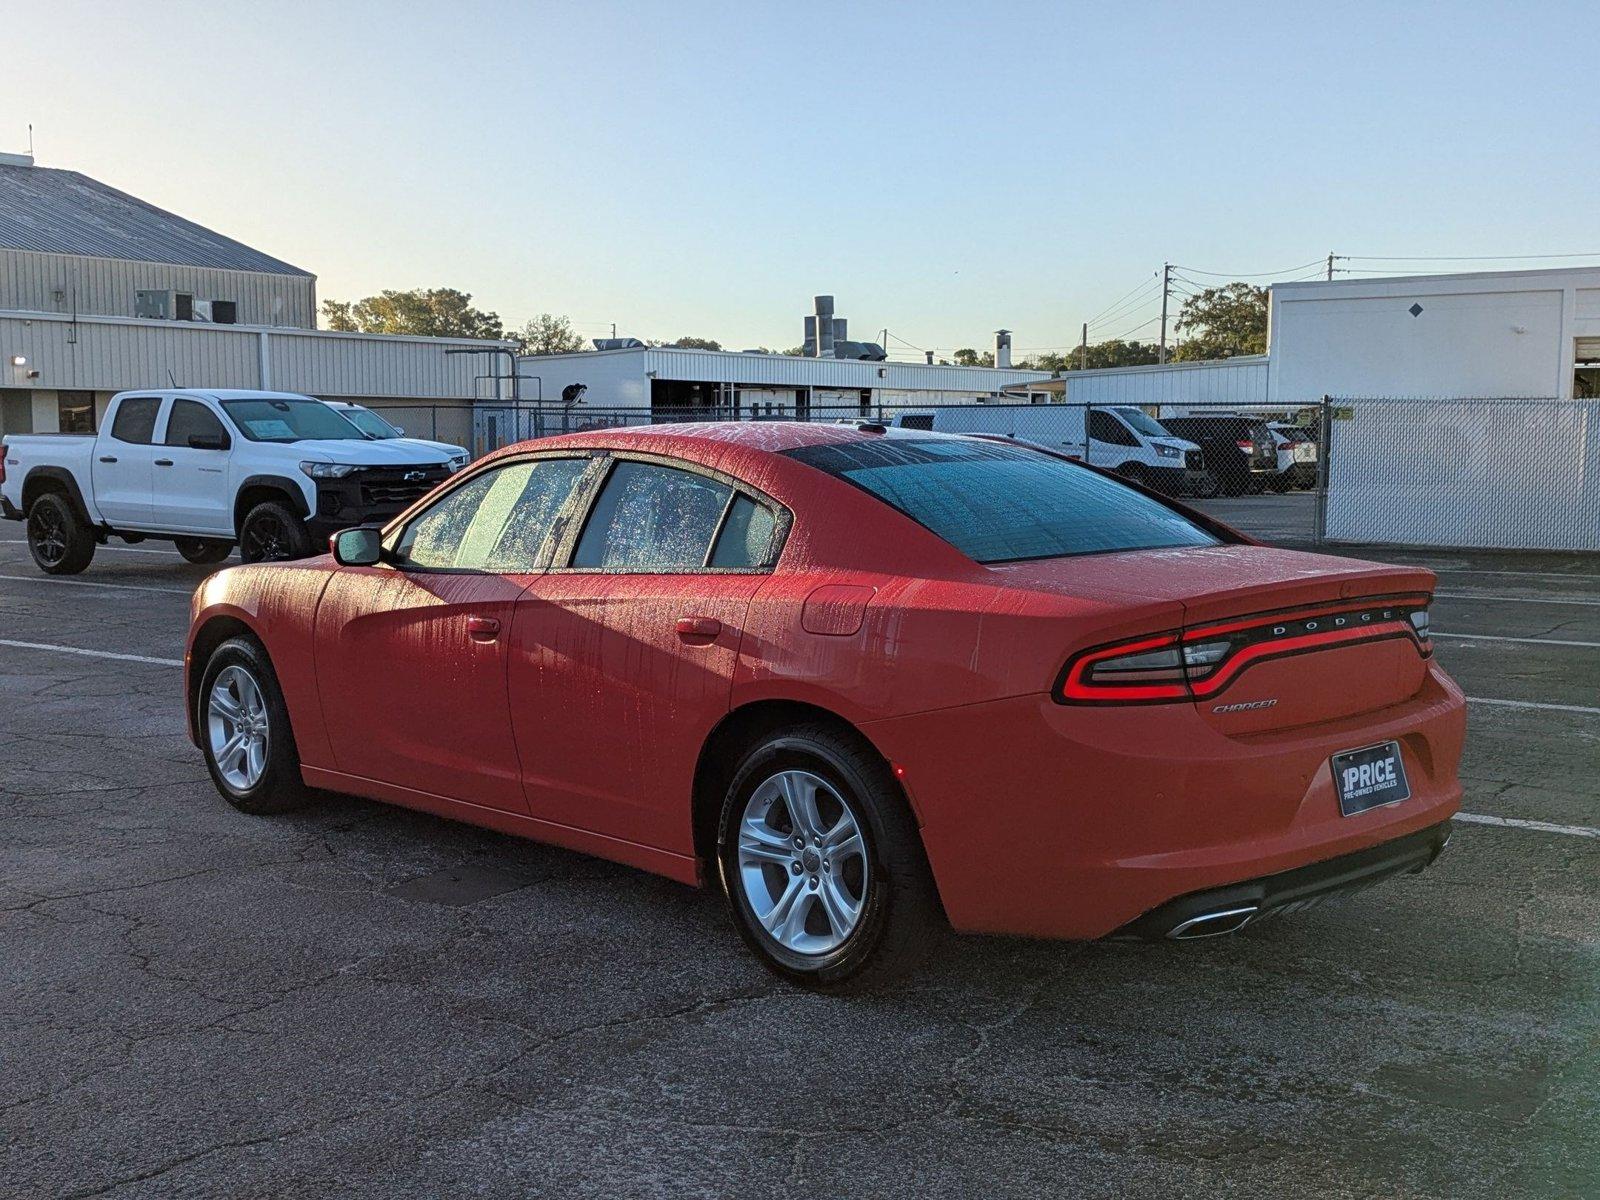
x=245, y=733
x=59, y=539
x=203, y=551
x=273, y=532
x=822, y=865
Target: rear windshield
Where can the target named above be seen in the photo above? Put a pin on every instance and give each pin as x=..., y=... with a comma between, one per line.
x=289, y=421
x=1000, y=503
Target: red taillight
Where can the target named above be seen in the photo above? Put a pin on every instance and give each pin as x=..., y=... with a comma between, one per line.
x=1200, y=662
x=1246, y=446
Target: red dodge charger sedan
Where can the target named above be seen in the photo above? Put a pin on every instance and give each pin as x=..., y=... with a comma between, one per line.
x=870, y=682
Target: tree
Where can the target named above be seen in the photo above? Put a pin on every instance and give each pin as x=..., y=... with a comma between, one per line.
x=426, y=312
x=1223, y=321
x=548, y=334
x=1113, y=353
x=695, y=343
x=971, y=358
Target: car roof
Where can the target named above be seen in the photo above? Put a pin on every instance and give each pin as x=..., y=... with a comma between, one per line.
x=773, y=437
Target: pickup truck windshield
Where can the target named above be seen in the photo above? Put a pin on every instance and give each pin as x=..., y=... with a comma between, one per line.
x=290, y=421
x=369, y=422
x=1000, y=503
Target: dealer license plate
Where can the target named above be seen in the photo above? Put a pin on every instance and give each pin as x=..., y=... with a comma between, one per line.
x=1369, y=778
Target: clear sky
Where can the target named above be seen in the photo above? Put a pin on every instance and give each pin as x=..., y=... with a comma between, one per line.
x=943, y=169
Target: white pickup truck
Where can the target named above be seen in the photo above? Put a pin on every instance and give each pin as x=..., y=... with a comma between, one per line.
x=274, y=472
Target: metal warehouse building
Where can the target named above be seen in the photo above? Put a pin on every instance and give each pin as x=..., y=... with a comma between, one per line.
x=101, y=292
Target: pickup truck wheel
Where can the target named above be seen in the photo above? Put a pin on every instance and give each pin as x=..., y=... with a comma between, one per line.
x=60, y=541
x=272, y=532
x=203, y=550
x=245, y=733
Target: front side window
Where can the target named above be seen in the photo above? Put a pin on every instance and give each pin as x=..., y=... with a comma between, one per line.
x=1001, y=503
x=1103, y=427
x=652, y=518
x=135, y=421
x=190, y=418
x=497, y=521
x=289, y=420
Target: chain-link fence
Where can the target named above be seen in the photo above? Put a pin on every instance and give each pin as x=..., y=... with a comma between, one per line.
x=1482, y=473
x=1512, y=474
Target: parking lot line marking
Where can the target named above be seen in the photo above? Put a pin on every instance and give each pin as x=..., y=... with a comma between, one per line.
x=79, y=650
x=1534, y=704
x=1538, y=826
x=1490, y=637
x=121, y=549
x=88, y=583
x=1514, y=599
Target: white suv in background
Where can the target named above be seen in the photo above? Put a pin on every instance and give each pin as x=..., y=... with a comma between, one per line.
x=374, y=426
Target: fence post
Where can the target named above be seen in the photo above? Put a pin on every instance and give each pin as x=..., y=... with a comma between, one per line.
x=1324, y=453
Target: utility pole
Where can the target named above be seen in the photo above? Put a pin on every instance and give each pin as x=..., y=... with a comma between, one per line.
x=1166, y=288
x=1330, y=264
x=1083, y=349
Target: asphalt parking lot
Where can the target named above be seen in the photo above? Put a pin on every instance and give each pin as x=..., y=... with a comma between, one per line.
x=357, y=1000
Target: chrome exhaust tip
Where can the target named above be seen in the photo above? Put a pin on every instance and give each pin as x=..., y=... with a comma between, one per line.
x=1213, y=924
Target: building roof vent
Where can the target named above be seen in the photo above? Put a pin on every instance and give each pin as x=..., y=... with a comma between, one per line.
x=16, y=160
x=624, y=343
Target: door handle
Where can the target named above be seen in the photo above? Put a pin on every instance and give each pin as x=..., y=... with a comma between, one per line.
x=699, y=627
x=483, y=629
x=108, y=458
x=163, y=462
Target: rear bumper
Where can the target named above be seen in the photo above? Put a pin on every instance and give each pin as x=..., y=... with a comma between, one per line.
x=1229, y=909
x=1044, y=820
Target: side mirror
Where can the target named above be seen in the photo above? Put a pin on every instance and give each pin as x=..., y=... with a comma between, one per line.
x=359, y=547
x=208, y=441
x=400, y=429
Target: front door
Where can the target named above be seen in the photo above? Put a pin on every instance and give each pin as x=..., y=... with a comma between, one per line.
x=622, y=661
x=193, y=480
x=124, y=464
x=411, y=653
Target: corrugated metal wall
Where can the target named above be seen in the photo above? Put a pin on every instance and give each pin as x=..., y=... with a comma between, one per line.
x=1241, y=381
x=106, y=354
x=105, y=286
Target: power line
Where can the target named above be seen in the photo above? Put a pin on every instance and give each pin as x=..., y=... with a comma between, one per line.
x=1316, y=262
x=1460, y=257
x=1129, y=305
x=1117, y=303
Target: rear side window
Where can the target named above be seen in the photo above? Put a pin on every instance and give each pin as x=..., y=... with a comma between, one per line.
x=746, y=537
x=917, y=421
x=135, y=421
x=190, y=418
x=652, y=518
x=497, y=521
x=998, y=503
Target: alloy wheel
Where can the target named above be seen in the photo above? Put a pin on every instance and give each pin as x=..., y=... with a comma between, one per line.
x=265, y=539
x=802, y=862
x=48, y=533
x=237, y=727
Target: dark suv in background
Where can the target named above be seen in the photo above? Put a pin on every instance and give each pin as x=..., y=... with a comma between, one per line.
x=1239, y=450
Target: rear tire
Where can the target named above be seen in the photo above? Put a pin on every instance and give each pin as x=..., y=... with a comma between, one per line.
x=272, y=532
x=854, y=906
x=203, y=551
x=245, y=733
x=60, y=540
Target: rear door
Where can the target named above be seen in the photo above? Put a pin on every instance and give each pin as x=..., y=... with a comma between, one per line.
x=622, y=657
x=124, y=463
x=411, y=653
x=191, y=488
